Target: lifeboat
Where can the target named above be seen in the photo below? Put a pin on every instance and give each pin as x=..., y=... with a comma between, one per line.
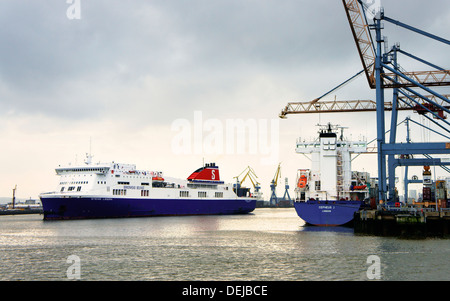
x=359, y=187
x=302, y=181
x=157, y=179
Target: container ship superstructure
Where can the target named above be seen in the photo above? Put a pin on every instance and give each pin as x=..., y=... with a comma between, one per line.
x=330, y=193
x=110, y=190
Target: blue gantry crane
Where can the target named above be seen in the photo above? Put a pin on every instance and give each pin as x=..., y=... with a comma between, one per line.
x=384, y=72
x=411, y=91
x=274, y=200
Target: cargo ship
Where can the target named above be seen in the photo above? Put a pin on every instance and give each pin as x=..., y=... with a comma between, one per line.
x=114, y=190
x=330, y=193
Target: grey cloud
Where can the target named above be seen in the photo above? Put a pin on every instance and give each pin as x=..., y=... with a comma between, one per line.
x=160, y=55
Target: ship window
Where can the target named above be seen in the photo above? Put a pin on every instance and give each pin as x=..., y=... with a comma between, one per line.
x=219, y=194
x=202, y=194
x=184, y=193
x=144, y=192
x=79, y=188
x=62, y=189
x=123, y=183
x=145, y=184
x=119, y=192
x=317, y=184
x=71, y=188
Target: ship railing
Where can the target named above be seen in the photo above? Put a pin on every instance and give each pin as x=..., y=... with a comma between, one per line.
x=433, y=209
x=427, y=209
x=47, y=193
x=64, y=192
x=412, y=209
x=393, y=208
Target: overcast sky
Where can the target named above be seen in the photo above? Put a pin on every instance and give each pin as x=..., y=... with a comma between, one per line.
x=122, y=74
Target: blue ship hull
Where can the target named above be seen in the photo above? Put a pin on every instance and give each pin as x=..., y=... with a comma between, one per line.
x=56, y=208
x=327, y=213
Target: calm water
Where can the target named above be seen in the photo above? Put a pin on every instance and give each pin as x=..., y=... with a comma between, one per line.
x=270, y=244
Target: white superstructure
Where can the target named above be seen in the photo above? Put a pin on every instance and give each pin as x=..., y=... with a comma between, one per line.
x=331, y=176
x=124, y=180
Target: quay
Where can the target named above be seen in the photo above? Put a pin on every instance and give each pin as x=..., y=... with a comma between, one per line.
x=21, y=211
x=407, y=222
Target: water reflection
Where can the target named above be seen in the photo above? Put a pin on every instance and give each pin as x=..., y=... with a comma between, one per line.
x=269, y=244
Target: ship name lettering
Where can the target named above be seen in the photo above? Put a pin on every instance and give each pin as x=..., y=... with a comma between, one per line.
x=133, y=187
x=325, y=207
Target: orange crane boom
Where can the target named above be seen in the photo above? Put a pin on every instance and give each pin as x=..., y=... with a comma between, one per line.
x=404, y=104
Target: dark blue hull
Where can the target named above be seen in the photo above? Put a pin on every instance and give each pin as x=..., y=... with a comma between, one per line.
x=327, y=213
x=56, y=208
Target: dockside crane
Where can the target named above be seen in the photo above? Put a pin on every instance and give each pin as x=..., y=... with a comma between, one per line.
x=367, y=50
x=363, y=39
x=14, y=197
x=388, y=74
x=250, y=174
x=411, y=91
x=402, y=83
x=273, y=186
x=364, y=42
x=405, y=103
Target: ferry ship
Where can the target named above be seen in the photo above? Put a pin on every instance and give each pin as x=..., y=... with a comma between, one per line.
x=111, y=190
x=330, y=193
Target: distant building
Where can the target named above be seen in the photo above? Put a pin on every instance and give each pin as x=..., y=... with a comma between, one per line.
x=412, y=195
x=448, y=188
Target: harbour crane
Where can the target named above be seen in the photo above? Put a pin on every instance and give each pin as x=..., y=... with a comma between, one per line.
x=383, y=72
x=14, y=197
x=406, y=103
x=388, y=74
x=274, y=184
x=249, y=173
x=286, y=196
x=357, y=18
